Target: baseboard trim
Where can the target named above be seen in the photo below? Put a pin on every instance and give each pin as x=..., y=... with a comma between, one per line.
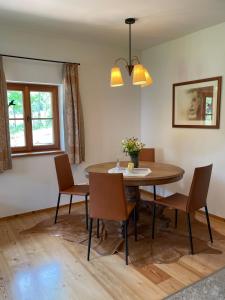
x=212, y=216
x=39, y=210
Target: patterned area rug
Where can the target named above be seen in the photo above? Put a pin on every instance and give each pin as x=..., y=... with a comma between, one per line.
x=169, y=245
x=210, y=288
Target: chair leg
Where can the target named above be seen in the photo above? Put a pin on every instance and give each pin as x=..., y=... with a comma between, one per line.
x=89, y=239
x=135, y=223
x=86, y=210
x=98, y=228
x=154, y=192
x=208, y=223
x=153, y=221
x=57, y=208
x=71, y=198
x=190, y=233
x=126, y=242
x=176, y=216
x=123, y=230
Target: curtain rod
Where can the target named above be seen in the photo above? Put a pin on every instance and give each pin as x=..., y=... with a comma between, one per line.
x=39, y=59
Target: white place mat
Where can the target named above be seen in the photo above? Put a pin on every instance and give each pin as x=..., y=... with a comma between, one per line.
x=137, y=172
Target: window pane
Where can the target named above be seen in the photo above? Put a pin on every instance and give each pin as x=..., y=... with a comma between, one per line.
x=42, y=131
x=17, y=136
x=15, y=97
x=208, y=106
x=41, y=104
x=208, y=117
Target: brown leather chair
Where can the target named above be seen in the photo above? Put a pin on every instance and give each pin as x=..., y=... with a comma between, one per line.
x=66, y=184
x=148, y=154
x=107, y=201
x=188, y=204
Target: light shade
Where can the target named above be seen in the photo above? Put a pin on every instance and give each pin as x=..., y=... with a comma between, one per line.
x=148, y=79
x=116, y=77
x=139, y=75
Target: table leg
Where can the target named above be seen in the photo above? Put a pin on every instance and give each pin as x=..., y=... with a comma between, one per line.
x=133, y=195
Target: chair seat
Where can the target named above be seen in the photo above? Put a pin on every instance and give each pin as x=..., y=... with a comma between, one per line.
x=80, y=190
x=177, y=201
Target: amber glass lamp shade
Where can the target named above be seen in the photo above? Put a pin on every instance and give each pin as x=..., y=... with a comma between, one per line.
x=116, y=77
x=148, y=79
x=139, y=75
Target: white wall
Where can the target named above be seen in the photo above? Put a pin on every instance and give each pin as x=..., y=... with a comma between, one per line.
x=109, y=114
x=195, y=56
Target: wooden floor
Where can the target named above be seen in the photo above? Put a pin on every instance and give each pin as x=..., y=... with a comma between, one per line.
x=39, y=266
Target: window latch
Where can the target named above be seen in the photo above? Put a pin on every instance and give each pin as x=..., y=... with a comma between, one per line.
x=28, y=118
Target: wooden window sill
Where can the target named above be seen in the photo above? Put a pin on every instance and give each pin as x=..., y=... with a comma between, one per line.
x=31, y=154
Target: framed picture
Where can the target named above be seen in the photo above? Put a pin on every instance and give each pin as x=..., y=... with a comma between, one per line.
x=196, y=104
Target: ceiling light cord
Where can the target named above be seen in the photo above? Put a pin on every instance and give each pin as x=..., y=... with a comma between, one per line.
x=130, y=44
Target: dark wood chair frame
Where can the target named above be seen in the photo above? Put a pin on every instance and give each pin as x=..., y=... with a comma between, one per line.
x=149, y=155
x=188, y=219
x=66, y=184
x=188, y=225
x=125, y=233
x=71, y=199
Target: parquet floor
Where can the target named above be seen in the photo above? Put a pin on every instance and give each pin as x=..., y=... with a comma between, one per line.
x=43, y=267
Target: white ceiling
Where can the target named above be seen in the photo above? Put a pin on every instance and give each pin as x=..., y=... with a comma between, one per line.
x=103, y=20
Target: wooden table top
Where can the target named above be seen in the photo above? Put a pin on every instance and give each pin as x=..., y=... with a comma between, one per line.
x=161, y=173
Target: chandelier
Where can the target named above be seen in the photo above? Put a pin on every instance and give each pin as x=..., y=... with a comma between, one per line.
x=140, y=74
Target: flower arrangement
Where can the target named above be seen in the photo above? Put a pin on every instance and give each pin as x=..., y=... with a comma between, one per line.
x=132, y=146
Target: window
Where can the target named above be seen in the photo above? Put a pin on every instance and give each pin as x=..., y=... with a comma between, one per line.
x=208, y=108
x=33, y=117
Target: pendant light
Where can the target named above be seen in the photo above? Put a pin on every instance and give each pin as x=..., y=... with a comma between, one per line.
x=140, y=74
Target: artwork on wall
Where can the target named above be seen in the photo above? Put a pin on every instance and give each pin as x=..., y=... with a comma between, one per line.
x=196, y=104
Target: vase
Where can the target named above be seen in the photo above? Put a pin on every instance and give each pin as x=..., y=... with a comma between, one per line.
x=134, y=156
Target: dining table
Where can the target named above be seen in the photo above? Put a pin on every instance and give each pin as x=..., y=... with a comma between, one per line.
x=160, y=174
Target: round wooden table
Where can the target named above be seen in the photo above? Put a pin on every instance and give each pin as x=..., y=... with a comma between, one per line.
x=161, y=174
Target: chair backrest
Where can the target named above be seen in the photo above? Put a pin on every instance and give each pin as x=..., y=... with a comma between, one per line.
x=64, y=172
x=107, y=197
x=147, y=154
x=199, y=188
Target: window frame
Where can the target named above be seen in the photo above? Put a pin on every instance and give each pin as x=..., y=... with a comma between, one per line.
x=26, y=88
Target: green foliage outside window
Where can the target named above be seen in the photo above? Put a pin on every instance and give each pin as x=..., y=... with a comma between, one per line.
x=41, y=107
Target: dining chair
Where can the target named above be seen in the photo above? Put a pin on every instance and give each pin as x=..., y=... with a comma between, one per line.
x=188, y=204
x=66, y=184
x=148, y=154
x=108, y=202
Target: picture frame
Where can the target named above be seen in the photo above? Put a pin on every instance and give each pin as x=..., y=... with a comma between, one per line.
x=196, y=103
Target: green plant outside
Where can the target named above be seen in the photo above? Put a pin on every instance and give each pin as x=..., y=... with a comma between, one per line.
x=41, y=106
